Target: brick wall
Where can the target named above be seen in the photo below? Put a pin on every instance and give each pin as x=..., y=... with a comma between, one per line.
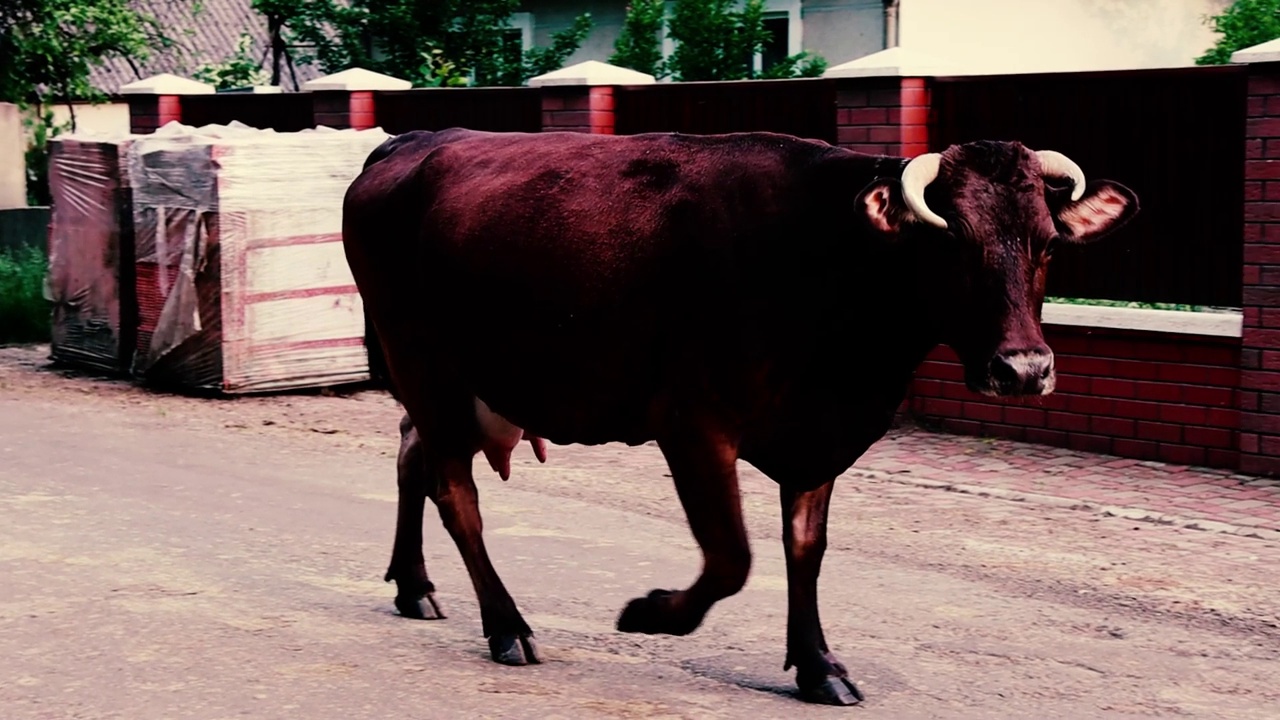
x=883, y=116
x=1152, y=396
x=1259, y=398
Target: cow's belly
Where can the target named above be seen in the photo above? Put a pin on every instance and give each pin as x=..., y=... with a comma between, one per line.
x=589, y=408
x=572, y=385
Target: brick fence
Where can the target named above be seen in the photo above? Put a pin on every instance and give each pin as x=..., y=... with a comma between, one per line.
x=1189, y=391
x=1260, y=345
x=1145, y=395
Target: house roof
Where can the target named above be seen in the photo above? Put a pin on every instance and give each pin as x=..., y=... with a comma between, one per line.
x=203, y=32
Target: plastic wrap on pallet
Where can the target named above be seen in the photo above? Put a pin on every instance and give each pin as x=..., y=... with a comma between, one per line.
x=90, y=277
x=243, y=285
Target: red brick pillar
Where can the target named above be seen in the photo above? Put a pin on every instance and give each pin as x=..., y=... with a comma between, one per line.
x=883, y=115
x=348, y=100
x=147, y=113
x=342, y=110
x=577, y=108
x=580, y=98
x=157, y=100
x=1259, y=396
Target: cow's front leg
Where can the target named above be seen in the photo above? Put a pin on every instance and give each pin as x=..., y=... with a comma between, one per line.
x=703, y=468
x=820, y=677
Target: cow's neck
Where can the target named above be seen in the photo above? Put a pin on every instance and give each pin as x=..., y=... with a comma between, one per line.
x=896, y=314
x=883, y=303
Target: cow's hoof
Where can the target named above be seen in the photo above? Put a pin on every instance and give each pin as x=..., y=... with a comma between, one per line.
x=514, y=650
x=654, y=614
x=423, y=607
x=831, y=691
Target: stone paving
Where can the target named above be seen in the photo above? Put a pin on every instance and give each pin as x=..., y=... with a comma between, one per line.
x=1209, y=499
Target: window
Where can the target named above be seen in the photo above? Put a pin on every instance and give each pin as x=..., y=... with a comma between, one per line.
x=517, y=38
x=782, y=22
x=775, y=48
x=520, y=29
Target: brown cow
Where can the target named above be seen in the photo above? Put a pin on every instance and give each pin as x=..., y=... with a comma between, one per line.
x=748, y=296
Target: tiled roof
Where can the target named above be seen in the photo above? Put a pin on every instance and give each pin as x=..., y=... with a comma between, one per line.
x=204, y=35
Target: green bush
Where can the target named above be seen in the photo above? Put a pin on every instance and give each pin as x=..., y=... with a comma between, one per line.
x=24, y=313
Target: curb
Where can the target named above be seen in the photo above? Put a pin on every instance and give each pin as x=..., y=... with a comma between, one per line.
x=1129, y=513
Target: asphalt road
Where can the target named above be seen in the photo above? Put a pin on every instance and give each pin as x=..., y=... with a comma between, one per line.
x=177, y=558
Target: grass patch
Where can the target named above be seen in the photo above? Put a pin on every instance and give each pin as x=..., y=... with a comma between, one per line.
x=24, y=313
x=1144, y=305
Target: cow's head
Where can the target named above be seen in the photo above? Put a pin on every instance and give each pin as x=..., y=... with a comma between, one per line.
x=981, y=244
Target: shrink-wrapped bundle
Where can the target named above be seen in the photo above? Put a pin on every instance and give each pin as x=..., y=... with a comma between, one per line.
x=90, y=244
x=242, y=284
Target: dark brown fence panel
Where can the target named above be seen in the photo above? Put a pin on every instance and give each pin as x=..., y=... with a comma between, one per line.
x=285, y=112
x=1173, y=136
x=493, y=109
x=804, y=108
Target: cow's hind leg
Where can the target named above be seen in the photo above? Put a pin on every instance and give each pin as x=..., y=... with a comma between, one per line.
x=703, y=468
x=458, y=500
x=820, y=677
x=415, y=594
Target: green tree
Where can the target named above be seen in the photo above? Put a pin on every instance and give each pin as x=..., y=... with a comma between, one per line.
x=714, y=40
x=1243, y=24
x=803, y=64
x=419, y=39
x=639, y=45
x=48, y=48
x=239, y=70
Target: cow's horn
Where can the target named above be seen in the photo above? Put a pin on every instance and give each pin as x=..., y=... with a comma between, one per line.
x=1055, y=164
x=916, y=176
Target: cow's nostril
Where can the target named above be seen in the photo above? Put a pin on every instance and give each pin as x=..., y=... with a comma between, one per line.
x=1003, y=371
x=1046, y=371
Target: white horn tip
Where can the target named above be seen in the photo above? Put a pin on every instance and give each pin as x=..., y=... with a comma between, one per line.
x=1055, y=163
x=916, y=176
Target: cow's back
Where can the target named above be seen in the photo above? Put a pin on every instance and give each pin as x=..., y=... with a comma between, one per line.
x=583, y=282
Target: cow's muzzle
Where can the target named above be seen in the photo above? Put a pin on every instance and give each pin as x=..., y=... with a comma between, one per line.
x=1017, y=372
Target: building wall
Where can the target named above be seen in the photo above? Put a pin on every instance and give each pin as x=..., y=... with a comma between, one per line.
x=110, y=118
x=550, y=16
x=977, y=36
x=1053, y=35
x=839, y=30
x=13, y=166
x=843, y=30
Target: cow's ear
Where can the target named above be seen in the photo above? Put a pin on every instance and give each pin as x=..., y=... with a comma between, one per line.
x=1104, y=207
x=882, y=205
